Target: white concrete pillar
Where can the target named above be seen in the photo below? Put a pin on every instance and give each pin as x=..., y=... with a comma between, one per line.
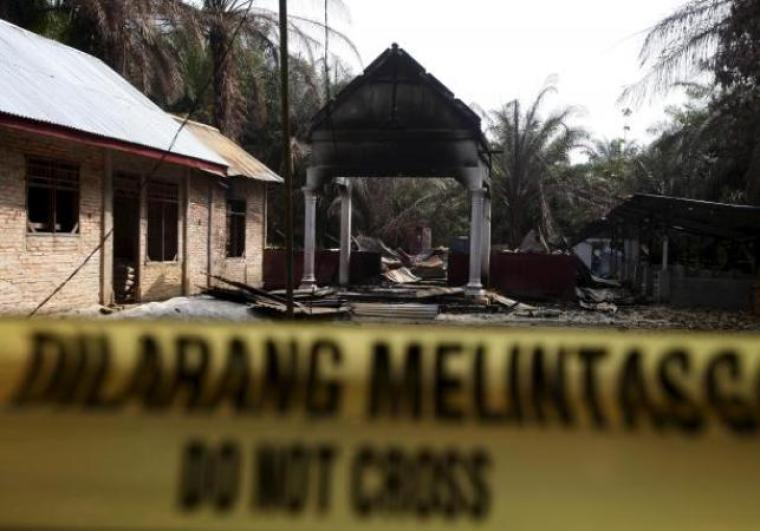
x=345, y=234
x=486, y=261
x=309, y=279
x=477, y=200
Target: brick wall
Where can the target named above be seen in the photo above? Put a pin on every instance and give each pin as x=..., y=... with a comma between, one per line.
x=157, y=280
x=256, y=232
x=247, y=269
x=33, y=265
x=197, y=230
x=160, y=281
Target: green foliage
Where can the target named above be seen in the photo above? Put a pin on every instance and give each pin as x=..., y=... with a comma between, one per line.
x=738, y=57
x=710, y=148
x=392, y=208
x=738, y=73
x=182, y=54
x=187, y=56
x=533, y=154
x=29, y=14
x=680, y=46
x=587, y=191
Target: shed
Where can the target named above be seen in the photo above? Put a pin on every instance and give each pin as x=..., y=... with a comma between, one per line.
x=686, y=251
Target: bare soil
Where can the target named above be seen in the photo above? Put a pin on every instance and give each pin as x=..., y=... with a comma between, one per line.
x=649, y=317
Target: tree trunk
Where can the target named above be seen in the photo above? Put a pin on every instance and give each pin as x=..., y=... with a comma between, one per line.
x=23, y=13
x=752, y=177
x=221, y=73
x=514, y=227
x=547, y=225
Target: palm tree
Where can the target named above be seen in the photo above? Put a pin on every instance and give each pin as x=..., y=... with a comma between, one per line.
x=611, y=160
x=533, y=149
x=681, y=45
x=688, y=157
x=233, y=29
x=606, y=150
x=156, y=43
x=29, y=14
x=134, y=37
x=389, y=208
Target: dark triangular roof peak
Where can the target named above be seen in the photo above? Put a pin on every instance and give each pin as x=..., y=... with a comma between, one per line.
x=396, y=91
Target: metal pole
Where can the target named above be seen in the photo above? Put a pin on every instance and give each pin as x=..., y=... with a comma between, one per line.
x=286, y=156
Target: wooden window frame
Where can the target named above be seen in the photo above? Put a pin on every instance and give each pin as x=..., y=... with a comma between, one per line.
x=163, y=195
x=61, y=176
x=232, y=214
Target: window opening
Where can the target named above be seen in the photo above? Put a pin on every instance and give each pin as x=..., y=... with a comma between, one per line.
x=235, y=228
x=52, y=196
x=163, y=221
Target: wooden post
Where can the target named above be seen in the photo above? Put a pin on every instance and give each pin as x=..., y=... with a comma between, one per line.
x=286, y=157
x=345, y=234
x=210, y=234
x=106, y=233
x=142, y=237
x=185, y=223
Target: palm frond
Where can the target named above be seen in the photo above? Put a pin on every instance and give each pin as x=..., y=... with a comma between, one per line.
x=678, y=47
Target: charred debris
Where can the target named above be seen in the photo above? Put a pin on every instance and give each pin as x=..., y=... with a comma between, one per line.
x=415, y=288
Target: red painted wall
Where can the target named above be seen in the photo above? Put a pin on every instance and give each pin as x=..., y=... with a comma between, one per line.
x=365, y=268
x=523, y=275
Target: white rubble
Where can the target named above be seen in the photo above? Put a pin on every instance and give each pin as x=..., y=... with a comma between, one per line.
x=198, y=308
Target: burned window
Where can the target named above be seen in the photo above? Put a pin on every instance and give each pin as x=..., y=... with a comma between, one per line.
x=52, y=196
x=235, y=228
x=163, y=220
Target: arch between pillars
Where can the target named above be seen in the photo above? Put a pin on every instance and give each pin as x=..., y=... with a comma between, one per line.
x=476, y=181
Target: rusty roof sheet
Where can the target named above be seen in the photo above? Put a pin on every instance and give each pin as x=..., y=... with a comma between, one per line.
x=240, y=163
x=46, y=81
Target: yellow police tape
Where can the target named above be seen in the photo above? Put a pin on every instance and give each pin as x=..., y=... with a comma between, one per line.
x=157, y=426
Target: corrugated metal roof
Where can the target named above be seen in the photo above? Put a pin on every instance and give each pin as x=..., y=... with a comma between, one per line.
x=240, y=163
x=49, y=82
x=740, y=222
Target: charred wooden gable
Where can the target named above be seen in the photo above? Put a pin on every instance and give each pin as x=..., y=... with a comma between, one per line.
x=397, y=120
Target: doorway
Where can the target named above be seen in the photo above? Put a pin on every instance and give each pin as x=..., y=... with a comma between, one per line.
x=126, y=238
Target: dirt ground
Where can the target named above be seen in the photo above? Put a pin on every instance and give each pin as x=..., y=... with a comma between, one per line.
x=649, y=317
x=644, y=317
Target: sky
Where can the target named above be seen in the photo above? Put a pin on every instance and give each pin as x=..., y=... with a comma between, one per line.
x=489, y=52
